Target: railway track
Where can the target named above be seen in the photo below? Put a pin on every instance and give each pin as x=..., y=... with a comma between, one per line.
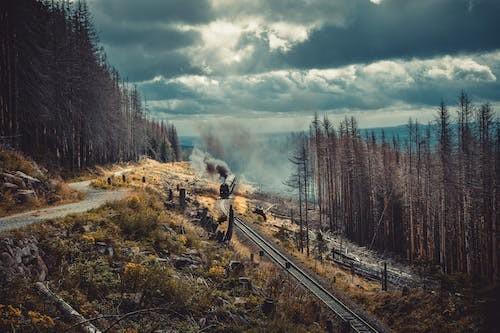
x=356, y=323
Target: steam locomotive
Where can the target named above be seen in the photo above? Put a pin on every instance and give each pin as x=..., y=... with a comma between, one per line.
x=227, y=187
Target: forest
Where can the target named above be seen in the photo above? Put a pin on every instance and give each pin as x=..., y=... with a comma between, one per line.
x=432, y=199
x=60, y=100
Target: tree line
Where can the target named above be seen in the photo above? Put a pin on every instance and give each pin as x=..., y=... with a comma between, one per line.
x=431, y=198
x=60, y=100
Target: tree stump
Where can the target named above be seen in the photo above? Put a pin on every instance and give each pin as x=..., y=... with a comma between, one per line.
x=384, y=277
x=245, y=282
x=229, y=233
x=236, y=267
x=345, y=326
x=329, y=326
x=182, y=197
x=220, y=236
x=268, y=307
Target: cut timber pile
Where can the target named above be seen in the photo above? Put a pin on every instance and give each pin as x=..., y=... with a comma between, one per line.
x=22, y=186
x=23, y=181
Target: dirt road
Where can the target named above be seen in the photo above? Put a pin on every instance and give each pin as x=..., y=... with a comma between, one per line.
x=93, y=199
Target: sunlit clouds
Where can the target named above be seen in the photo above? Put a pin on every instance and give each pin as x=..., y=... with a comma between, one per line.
x=278, y=62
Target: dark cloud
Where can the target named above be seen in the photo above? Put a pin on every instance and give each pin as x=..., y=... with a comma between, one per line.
x=142, y=39
x=151, y=11
x=137, y=64
x=190, y=108
x=293, y=11
x=432, y=93
x=150, y=38
x=401, y=29
x=160, y=90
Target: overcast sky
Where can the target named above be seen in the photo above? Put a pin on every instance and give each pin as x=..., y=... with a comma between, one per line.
x=270, y=64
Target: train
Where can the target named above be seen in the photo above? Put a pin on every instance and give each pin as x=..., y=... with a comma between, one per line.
x=227, y=187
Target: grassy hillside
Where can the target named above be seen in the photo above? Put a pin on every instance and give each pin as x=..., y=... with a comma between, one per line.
x=135, y=266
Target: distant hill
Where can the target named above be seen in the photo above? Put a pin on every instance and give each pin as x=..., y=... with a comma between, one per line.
x=189, y=142
x=400, y=132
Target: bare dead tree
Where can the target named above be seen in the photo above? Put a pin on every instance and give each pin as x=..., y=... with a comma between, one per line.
x=435, y=201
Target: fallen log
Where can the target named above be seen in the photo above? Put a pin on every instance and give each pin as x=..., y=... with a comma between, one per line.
x=280, y=215
x=66, y=309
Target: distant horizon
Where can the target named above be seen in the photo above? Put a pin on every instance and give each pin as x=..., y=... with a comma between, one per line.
x=422, y=124
x=294, y=125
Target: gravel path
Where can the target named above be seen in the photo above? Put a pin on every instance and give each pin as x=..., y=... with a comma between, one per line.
x=93, y=198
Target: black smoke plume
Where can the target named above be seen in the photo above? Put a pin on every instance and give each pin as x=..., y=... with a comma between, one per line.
x=206, y=165
x=223, y=171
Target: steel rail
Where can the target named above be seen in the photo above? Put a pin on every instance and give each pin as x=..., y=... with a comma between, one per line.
x=356, y=323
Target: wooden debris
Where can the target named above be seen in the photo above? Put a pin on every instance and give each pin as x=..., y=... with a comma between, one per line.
x=66, y=309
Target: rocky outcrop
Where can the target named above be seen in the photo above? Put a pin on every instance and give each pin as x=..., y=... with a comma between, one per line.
x=21, y=258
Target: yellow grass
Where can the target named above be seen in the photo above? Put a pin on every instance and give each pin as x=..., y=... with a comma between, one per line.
x=240, y=205
x=210, y=203
x=344, y=280
x=11, y=160
x=239, y=248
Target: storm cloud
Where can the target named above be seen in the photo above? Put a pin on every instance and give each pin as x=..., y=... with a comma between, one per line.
x=402, y=29
x=151, y=11
x=273, y=64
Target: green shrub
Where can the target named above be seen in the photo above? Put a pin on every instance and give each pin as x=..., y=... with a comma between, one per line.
x=138, y=224
x=163, y=241
x=95, y=277
x=156, y=282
